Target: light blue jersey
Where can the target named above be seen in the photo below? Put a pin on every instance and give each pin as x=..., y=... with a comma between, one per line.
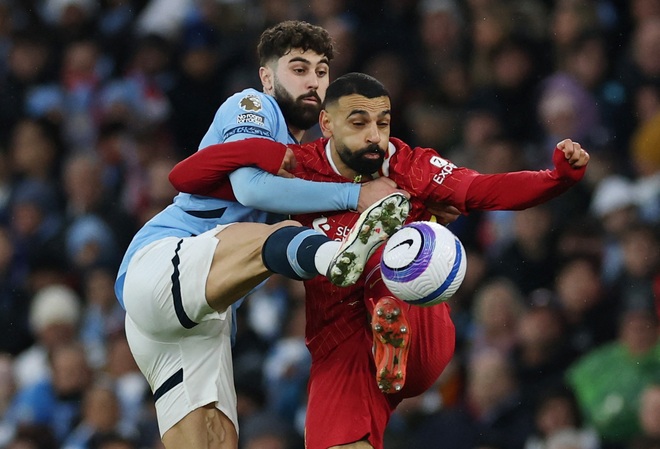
x=247, y=114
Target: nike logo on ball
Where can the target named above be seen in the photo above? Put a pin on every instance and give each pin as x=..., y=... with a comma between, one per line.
x=408, y=242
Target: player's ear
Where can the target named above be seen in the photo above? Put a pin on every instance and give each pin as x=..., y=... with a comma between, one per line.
x=266, y=77
x=325, y=123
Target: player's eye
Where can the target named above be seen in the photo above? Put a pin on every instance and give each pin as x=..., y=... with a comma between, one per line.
x=321, y=73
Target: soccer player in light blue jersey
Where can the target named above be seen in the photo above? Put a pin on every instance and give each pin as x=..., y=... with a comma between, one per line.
x=186, y=267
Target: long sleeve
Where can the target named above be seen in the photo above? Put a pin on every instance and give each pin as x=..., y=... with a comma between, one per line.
x=254, y=188
x=430, y=177
x=250, y=165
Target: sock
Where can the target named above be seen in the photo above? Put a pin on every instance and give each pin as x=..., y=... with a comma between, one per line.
x=324, y=255
x=291, y=252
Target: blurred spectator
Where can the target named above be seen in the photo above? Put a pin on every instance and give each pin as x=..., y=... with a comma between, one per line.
x=83, y=73
x=541, y=353
x=566, y=108
x=54, y=318
x=35, y=151
x=608, y=380
x=559, y=424
x=497, y=308
x=102, y=317
x=390, y=69
x=286, y=367
x=516, y=66
x=644, y=443
x=492, y=415
x=587, y=61
x=481, y=125
x=268, y=431
x=649, y=411
x=614, y=203
x=7, y=392
x=569, y=19
x=646, y=161
x=587, y=307
x=526, y=255
x=129, y=386
x=112, y=441
x=201, y=77
x=14, y=299
x=162, y=17
x=640, y=248
x=33, y=436
x=89, y=198
x=55, y=401
x=100, y=416
x=27, y=66
x=411, y=413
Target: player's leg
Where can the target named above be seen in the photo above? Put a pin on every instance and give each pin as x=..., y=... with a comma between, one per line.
x=390, y=328
x=431, y=348
x=247, y=253
x=419, y=354
x=345, y=408
x=205, y=427
x=181, y=345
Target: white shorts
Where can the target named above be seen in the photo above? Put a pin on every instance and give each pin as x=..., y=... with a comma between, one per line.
x=182, y=345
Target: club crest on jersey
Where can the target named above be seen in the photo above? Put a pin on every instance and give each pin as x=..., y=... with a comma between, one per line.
x=250, y=103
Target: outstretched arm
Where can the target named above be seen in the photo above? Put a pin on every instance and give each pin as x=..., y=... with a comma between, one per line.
x=524, y=189
x=439, y=182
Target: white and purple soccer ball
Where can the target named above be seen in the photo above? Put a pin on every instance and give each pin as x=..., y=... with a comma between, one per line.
x=423, y=263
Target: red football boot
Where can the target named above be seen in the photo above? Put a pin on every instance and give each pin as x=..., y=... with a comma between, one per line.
x=391, y=331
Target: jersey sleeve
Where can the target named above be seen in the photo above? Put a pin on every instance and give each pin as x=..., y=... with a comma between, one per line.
x=208, y=172
x=207, y=169
x=244, y=115
x=261, y=190
x=430, y=177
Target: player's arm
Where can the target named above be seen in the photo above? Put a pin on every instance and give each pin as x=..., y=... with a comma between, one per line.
x=206, y=173
x=436, y=180
x=207, y=169
x=524, y=189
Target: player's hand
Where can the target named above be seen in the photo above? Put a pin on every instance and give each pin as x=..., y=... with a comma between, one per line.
x=576, y=156
x=288, y=164
x=375, y=190
x=444, y=213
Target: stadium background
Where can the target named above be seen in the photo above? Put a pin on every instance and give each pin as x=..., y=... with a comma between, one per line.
x=99, y=99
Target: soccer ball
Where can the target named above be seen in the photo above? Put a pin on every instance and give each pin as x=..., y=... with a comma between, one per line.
x=423, y=263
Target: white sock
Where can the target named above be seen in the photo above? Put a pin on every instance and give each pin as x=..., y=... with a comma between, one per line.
x=324, y=256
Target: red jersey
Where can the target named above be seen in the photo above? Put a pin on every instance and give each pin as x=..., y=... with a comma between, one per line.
x=333, y=313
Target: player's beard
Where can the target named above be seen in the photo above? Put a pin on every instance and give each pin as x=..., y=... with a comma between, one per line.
x=298, y=114
x=355, y=160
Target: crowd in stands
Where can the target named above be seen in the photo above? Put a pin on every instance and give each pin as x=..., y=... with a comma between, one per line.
x=557, y=319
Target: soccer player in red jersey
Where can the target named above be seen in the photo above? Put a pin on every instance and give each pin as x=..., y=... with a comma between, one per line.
x=347, y=406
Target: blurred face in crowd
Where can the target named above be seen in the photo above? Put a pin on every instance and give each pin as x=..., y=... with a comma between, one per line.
x=360, y=131
x=298, y=81
x=649, y=413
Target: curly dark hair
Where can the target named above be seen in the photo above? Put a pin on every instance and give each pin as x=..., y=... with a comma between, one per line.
x=279, y=39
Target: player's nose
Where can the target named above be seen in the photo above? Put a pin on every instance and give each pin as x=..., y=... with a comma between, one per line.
x=373, y=135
